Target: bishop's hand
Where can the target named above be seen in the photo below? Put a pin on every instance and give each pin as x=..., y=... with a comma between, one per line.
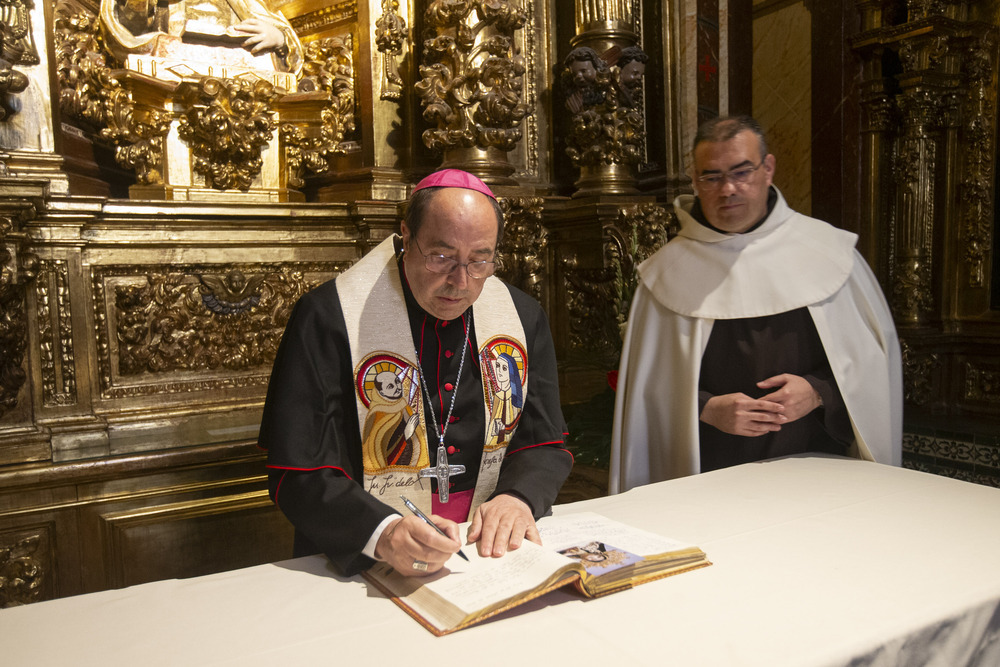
x=413, y=548
x=501, y=524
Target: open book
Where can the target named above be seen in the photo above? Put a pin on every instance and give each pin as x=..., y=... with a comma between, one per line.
x=596, y=554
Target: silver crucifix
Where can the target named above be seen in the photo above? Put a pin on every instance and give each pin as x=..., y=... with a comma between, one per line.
x=442, y=472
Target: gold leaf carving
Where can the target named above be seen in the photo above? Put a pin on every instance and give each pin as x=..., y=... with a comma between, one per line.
x=390, y=35
x=227, y=123
x=22, y=574
x=328, y=67
x=55, y=333
x=525, y=243
x=599, y=299
x=472, y=83
x=225, y=320
x=17, y=268
x=19, y=41
x=918, y=368
x=982, y=384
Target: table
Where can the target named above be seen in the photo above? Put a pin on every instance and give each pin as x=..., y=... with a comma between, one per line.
x=817, y=561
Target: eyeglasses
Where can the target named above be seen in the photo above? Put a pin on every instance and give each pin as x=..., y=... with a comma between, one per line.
x=738, y=176
x=444, y=264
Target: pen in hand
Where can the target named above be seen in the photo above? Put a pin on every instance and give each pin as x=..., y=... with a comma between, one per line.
x=416, y=510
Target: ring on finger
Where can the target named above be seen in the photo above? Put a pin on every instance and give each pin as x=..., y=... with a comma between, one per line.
x=420, y=565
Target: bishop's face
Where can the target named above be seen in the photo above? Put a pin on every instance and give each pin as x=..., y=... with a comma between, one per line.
x=460, y=224
x=728, y=205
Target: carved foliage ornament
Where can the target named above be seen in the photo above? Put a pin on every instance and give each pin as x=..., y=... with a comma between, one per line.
x=472, y=83
x=21, y=572
x=390, y=35
x=201, y=319
x=978, y=141
x=328, y=67
x=525, y=243
x=89, y=91
x=16, y=269
x=607, y=126
x=227, y=123
x=55, y=333
x=918, y=369
x=599, y=300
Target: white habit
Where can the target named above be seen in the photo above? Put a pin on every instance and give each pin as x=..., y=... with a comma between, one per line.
x=790, y=261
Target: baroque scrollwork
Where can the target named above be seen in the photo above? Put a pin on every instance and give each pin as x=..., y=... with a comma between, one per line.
x=328, y=67
x=194, y=318
x=17, y=268
x=922, y=9
x=471, y=87
x=90, y=91
x=207, y=321
x=55, y=333
x=604, y=98
x=525, y=243
x=918, y=369
x=914, y=167
x=976, y=186
x=390, y=36
x=599, y=299
x=227, y=124
x=22, y=573
x=981, y=384
x=12, y=53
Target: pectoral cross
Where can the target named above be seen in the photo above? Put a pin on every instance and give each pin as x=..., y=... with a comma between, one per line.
x=442, y=472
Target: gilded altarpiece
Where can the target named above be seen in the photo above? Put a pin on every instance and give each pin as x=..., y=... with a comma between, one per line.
x=159, y=217
x=929, y=169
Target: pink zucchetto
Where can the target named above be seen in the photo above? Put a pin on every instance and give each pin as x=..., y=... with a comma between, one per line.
x=454, y=178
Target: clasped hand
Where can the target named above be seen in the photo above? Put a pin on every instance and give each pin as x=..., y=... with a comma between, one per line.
x=498, y=526
x=738, y=414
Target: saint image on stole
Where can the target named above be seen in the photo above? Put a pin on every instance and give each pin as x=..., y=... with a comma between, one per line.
x=506, y=393
x=390, y=433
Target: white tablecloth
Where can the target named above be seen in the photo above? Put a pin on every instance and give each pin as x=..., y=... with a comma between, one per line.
x=817, y=561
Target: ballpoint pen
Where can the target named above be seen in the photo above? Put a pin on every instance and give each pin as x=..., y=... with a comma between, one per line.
x=416, y=510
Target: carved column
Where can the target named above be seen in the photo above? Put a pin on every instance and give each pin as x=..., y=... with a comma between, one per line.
x=916, y=162
x=607, y=139
x=471, y=85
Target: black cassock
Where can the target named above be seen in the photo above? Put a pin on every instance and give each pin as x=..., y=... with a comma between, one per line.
x=311, y=433
x=742, y=352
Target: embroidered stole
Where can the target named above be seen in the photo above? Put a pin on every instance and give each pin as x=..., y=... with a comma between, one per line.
x=390, y=404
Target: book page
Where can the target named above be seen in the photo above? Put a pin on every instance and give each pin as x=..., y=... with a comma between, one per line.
x=485, y=581
x=569, y=530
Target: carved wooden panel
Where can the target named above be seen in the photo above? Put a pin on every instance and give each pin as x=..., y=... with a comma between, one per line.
x=192, y=538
